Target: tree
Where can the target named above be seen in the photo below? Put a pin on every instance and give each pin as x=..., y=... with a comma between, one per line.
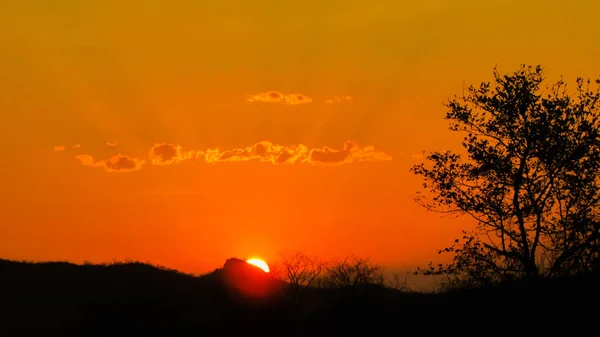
x=299, y=269
x=395, y=282
x=352, y=272
x=529, y=176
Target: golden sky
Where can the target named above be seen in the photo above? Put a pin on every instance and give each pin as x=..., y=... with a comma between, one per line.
x=186, y=132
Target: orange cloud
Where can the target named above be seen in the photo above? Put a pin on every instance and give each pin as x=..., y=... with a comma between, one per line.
x=294, y=99
x=117, y=163
x=85, y=159
x=120, y=163
x=338, y=99
x=350, y=153
x=62, y=148
x=110, y=144
x=266, y=151
x=277, y=97
x=164, y=154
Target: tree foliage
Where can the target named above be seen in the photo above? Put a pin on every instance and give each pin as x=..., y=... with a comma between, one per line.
x=529, y=176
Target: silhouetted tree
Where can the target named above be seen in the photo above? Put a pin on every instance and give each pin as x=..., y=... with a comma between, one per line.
x=299, y=268
x=396, y=282
x=352, y=272
x=529, y=177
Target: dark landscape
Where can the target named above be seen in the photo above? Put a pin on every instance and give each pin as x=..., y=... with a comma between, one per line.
x=135, y=299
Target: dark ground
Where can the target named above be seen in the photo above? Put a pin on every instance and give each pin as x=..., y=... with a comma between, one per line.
x=134, y=299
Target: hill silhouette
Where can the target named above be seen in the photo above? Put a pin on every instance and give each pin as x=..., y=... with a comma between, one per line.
x=137, y=299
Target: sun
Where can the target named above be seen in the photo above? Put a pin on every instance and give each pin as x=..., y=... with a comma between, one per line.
x=259, y=263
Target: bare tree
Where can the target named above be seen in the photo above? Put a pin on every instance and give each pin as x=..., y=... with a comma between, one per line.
x=397, y=282
x=353, y=271
x=299, y=268
x=530, y=177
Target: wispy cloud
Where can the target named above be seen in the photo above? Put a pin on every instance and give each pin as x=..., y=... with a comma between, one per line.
x=266, y=151
x=338, y=99
x=85, y=159
x=62, y=148
x=117, y=163
x=165, y=154
x=110, y=144
x=277, y=97
x=350, y=153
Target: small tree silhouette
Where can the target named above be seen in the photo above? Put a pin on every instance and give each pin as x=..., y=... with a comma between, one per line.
x=299, y=268
x=530, y=178
x=352, y=272
x=396, y=282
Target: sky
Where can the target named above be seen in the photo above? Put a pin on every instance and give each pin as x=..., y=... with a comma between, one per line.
x=186, y=132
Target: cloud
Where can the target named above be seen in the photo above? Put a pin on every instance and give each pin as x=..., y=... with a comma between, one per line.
x=62, y=148
x=85, y=159
x=266, y=151
x=294, y=99
x=110, y=144
x=338, y=99
x=277, y=97
x=350, y=153
x=165, y=153
x=117, y=163
x=120, y=163
x=269, y=96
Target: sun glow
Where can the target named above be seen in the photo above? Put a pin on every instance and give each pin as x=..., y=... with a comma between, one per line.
x=259, y=263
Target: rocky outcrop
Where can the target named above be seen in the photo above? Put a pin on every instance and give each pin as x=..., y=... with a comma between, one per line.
x=248, y=280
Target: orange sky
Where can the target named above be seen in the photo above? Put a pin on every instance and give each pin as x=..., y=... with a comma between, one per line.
x=248, y=103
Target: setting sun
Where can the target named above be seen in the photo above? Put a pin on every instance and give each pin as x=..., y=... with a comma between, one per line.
x=259, y=263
